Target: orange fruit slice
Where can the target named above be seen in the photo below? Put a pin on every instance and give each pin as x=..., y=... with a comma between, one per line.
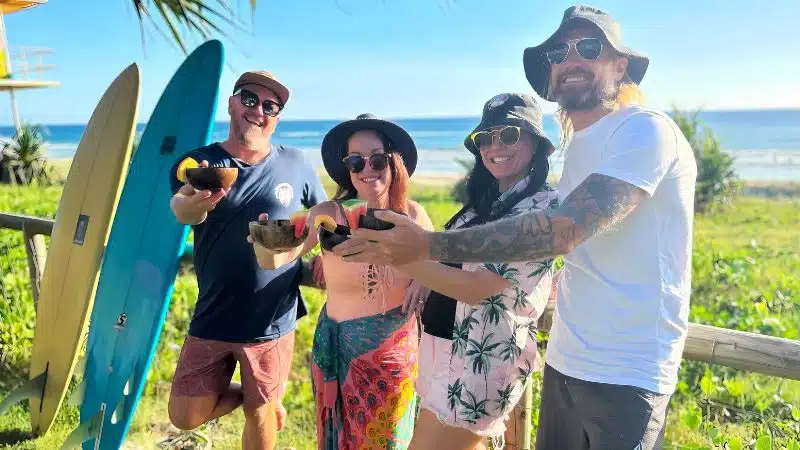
x=325, y=221
x=187, y=163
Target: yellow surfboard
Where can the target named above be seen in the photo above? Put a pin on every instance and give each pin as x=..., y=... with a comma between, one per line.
x=82, y=225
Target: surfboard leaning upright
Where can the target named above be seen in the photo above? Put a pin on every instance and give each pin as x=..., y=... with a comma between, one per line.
x=144, y=250
x=80, y=232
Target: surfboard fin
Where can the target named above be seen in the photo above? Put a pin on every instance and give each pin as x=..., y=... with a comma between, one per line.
x=85, y=431
x=30, y=389
x=120, y=409
x=115, y=416
x=128, y=386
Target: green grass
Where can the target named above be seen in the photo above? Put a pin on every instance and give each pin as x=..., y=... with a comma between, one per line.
x=744, y=266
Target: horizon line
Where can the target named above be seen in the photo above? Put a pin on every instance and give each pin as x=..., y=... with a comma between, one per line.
x=434, y=116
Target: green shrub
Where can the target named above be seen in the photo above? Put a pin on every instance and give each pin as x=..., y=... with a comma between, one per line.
x=717, y=181
x=22, y=159
x=459, y=190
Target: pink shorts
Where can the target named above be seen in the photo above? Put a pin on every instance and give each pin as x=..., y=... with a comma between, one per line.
x=205, y=368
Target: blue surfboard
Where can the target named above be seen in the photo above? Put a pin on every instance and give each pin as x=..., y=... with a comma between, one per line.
x=143, y=253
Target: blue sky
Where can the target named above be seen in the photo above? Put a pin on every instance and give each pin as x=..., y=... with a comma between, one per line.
x=401, y=58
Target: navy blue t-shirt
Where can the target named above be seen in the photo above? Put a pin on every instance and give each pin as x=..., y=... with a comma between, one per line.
x=238, y=301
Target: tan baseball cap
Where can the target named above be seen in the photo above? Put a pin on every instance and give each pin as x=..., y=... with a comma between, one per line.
x=266, y=79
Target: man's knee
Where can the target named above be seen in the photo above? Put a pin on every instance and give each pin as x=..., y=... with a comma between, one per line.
x=261, y=414
x=184, y=419
x=188, y=413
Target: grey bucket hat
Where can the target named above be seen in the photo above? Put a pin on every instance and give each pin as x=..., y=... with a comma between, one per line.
x=537, y=67
x=512, y=109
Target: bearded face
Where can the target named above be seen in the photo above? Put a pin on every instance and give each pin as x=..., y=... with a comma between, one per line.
x=586, y=71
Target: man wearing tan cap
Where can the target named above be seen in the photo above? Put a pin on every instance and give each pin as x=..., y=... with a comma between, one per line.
x=244, y=314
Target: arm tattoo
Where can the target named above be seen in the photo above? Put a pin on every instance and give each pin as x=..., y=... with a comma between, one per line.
x=594, y=207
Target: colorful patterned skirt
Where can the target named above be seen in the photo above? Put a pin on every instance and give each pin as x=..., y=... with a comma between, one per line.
x=363, y=374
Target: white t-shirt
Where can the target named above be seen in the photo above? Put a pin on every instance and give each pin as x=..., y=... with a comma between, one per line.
x=623, y=300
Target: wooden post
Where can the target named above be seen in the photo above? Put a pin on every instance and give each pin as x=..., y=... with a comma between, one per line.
x=521, y=420
x=37, y=255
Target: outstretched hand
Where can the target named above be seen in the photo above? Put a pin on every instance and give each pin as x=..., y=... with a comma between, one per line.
x=263, y=217
x=405, y=243
x=201, y=199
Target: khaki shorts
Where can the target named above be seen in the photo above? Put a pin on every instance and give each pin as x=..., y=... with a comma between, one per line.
x=205, y=368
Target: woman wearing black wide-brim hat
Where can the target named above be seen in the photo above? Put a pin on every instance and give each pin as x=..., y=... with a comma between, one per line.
x=362, y=321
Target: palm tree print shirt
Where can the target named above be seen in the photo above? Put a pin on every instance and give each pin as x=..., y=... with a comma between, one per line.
x=494, y=342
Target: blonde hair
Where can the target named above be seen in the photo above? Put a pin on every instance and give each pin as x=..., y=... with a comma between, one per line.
x=629, y=93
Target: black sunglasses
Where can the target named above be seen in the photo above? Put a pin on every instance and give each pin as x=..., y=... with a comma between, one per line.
x=378, y=161
x=251, y=100
x=589, y=48
x=509, y=135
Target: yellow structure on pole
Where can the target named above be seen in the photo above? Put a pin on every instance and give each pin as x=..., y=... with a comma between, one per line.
x=8, y=80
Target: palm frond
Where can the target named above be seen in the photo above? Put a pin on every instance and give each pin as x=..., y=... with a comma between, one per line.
x=201, y=17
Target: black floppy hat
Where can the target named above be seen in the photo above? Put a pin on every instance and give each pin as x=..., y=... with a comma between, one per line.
x=537, y=67
x=334, y=144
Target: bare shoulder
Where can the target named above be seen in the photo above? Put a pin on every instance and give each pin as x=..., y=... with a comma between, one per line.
x=418, y=214
x=415, y=210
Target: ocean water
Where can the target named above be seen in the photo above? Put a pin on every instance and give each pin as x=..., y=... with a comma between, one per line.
x=765, y=143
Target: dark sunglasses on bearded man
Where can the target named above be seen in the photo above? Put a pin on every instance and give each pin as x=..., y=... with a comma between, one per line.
x=251, y=100
x=589, y=48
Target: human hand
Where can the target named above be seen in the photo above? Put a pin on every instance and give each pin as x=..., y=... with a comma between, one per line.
x=201, y=200
x=416, y=295
x=263, y=217
x=407, y=242
x=316, y=271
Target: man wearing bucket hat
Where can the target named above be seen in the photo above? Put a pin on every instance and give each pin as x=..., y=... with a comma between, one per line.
x=624, y=228
x=244, y=314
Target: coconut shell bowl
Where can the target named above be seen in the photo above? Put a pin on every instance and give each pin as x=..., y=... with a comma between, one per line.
x=280, y=234
x=212, y=178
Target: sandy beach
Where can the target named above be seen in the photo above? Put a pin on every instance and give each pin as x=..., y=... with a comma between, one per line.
x=61, y=167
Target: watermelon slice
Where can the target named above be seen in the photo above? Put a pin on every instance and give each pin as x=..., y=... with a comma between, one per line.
x=354, y=212
x=299, y=221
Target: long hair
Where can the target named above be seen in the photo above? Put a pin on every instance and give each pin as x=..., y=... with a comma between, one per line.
x=482, y=187
x=397, y=200
x=628, y=93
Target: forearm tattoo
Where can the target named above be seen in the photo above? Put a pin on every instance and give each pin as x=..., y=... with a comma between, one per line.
x=595, y=206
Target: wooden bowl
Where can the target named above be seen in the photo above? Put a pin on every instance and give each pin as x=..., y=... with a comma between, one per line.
x=328, y=239
x=276, y=234
x=370, y=222
x=212, y=178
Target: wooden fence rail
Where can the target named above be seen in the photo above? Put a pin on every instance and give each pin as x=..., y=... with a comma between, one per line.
x=35, y=225
x=752, y=352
